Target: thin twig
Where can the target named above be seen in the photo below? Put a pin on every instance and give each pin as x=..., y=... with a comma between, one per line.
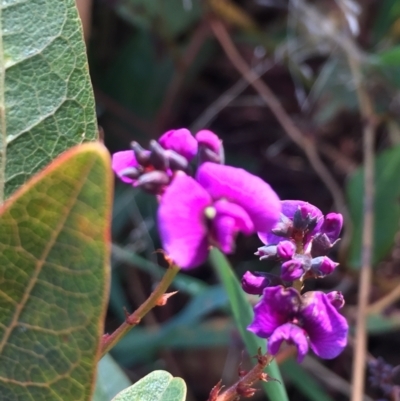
x=243, y=386
x=370, y=123
x=208, y=115
x=383, y=303
x=110, y=340
x=304, y=142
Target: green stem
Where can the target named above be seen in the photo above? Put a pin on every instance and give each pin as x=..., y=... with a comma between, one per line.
x=109, y=340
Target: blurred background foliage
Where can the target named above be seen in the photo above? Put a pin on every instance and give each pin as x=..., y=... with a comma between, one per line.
x=157, y=65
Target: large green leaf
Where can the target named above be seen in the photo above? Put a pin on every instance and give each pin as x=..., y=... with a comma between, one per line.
x=156, y=386
x=46, y=100
x=387, y=206
x=54, y=268
x=243, y=315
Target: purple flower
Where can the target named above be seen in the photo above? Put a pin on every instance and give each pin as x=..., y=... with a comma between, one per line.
x=306, y=213
x=285, y=315
x=210, y=210
x=210, y=147
x=181, y=141
x=123, y=161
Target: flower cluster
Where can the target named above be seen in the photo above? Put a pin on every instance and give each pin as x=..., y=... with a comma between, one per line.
x=209, y=207
x=299, y=242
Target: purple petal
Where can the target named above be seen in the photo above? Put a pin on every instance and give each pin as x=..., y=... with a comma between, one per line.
x=121, y=161
x=336, y=299
x=274, y=309
x=292, y=270
x=209, y=140
x=181, y=221
x=181, y=141
x=238, y=186
x=254, y=284
x=242, y=219
x=289, y=208
x=326, y=327
x=332, y=226
x=286, y=249
x=224, y=230
x=293, y=335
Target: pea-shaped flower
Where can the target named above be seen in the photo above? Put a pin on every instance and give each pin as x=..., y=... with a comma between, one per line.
x=211, y=209
x=309, y=320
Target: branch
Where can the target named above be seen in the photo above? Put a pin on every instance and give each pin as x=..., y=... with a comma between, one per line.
x=243, y=386
x=156, y=298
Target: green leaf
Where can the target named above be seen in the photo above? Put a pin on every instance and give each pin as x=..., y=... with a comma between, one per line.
x=46, y=99
x=243, y=315
x=110, y=379
x=387, y=206
x=156, y=386
x=54, y=269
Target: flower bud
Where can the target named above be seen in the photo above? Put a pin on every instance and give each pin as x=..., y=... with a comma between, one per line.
x=292, y=270
x=336, y=299
x=254, y=283
x=266, y=252
x=323, y=266
x=210, y=147
x=285, y=249
x=180, y=141
x=142, y=155
x=332, y=226
x=321, y=245
x=176, y=161
x=158, y=157
x=153, y=182
x=131, y=172
x=303, y=219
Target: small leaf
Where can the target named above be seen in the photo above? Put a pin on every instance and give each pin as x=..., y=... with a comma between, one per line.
x=156, y=386
x=243, y=315
x=54, y=269
x=387, y=206
x=46, y=99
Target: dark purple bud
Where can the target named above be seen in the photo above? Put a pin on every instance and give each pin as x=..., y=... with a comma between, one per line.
x=266, y=252
x=303, y=219
x=323, y=266
x=208, y=155
x=254, y=283
x=284, y=226
x=131, y=172
x=153, y=181
x=381, y=375
x=292, y=270
x=158, y=157
x=176, y=161
x=142, y=155
x=285, y=249
x=332, y=226
x=320, y=245
x=336, y=299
